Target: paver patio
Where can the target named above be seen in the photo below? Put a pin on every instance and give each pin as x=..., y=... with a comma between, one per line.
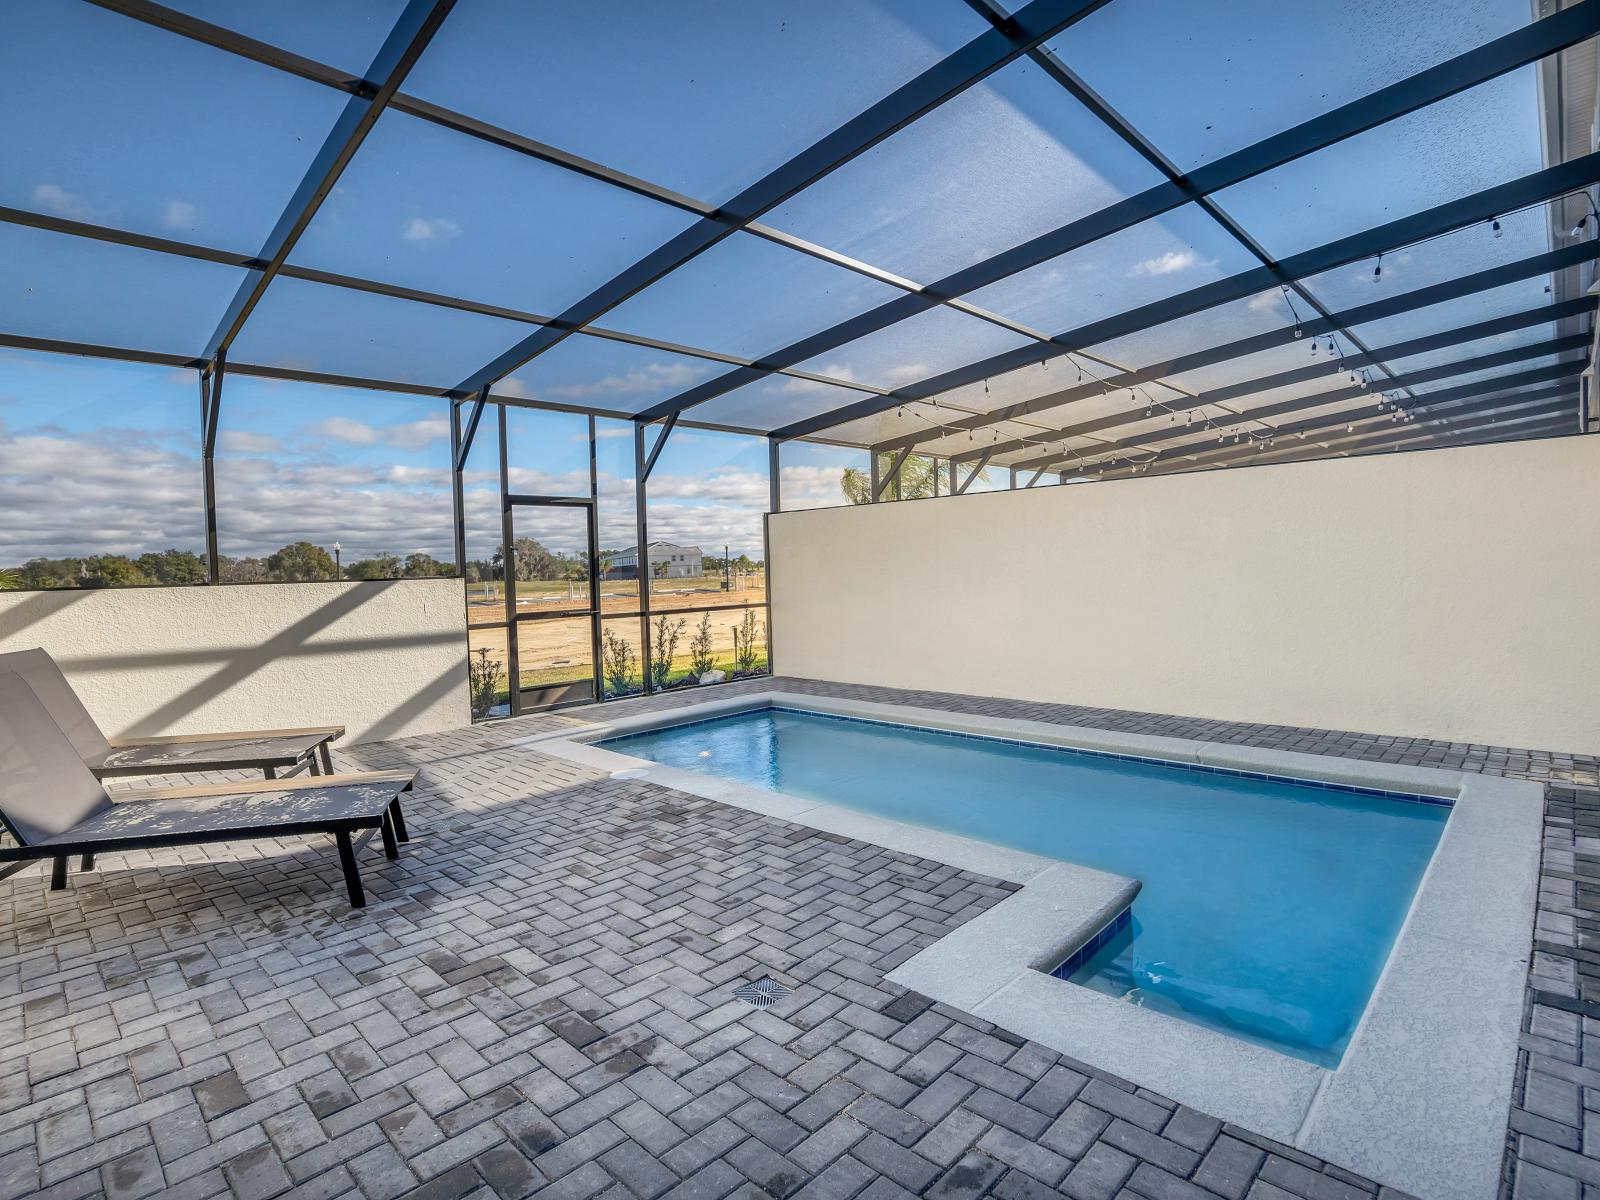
x=539, y=1000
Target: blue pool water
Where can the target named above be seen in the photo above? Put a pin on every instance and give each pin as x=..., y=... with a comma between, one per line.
x=1268, y=908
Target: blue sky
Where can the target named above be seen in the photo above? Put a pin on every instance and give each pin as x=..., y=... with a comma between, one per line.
x=183, y=141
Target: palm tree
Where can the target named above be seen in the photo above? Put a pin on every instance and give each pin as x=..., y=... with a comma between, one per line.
x=10, y=579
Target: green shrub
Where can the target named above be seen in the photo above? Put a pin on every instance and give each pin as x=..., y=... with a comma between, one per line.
x=701, y=657
x=483, y=676
x=744, y=643
x=617, y=663
x=663, y=649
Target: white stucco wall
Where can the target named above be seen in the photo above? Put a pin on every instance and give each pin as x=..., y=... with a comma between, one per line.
x=382, y=659
x=1450, y=594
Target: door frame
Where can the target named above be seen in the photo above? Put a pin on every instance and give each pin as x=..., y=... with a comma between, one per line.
x=559, y=695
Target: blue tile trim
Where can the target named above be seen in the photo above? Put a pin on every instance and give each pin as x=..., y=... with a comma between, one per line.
x=1198, y=768
x=1087, y=951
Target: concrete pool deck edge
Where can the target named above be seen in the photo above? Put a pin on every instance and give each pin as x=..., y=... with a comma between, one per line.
x=1421, y=1098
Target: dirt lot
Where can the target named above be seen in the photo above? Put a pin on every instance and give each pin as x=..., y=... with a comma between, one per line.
x=553, y=650
x=486, y=601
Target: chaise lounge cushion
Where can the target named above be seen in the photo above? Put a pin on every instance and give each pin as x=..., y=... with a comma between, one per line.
x=40, y=672
x=45, y=790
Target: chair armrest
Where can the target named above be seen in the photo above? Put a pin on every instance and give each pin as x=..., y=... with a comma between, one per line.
x=325, y=732
x=253, y=787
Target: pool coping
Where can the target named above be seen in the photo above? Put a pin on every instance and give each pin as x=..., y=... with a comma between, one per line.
x=1421, y=1098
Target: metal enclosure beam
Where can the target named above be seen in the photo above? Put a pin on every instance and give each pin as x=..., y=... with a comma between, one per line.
x=1501, y=425
x=1483, y=362
x=641, y=533
x=977, y=60
x=1507, y=53
x=1439, y=293
x=892, y=478
x=1326, y=436
x=458, y=506
x=1218, y=396
x=960, y=489
x=471, y=431
x=210, y=404
x=508, y=575
x=1198, y=451
x=1442, y=218
x=1496, y=409
x=774, y=478
x=400, y=51
x=661, y=444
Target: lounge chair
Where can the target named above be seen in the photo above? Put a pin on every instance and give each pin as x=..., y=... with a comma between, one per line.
x=266, y=750
x=53, y=807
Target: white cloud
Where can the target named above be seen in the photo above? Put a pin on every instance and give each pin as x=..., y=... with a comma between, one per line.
x=649, y=378
x=178, y=214
x=417, y=434
x=1266, y=302
x=243, y=441
x=907, y=373
x=430, y=229
x=1170, y=263
x=839, y=371
x=344, y=429
x=130, y=491
x=56, y=199
x=814, y=486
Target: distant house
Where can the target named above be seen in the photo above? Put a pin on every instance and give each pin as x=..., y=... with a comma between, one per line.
x=681, y=561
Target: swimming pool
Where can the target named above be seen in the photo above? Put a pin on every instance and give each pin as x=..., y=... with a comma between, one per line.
x=1268, y=908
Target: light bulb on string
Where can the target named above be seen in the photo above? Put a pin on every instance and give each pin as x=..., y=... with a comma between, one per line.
x=1495, y=226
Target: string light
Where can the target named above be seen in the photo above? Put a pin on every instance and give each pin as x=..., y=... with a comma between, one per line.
x=1377, y=271
x=1294, y=312
x=1495, y=225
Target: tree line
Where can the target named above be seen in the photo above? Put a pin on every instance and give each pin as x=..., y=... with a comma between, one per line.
x=305, y=562
x=298, y=562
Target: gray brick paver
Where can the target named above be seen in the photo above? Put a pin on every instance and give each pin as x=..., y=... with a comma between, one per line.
x=563, y=1025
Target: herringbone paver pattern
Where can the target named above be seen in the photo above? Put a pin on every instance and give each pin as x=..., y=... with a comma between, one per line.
x=539, y=1001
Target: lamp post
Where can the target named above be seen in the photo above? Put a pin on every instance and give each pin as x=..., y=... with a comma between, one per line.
x=338, y=566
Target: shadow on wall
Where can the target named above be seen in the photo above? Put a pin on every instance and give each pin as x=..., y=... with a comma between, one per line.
x=38, y=606
x=395, y=721
x=380, y=709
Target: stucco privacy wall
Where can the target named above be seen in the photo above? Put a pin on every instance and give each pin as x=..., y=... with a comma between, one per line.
x=382, y=659
x=1448, y=594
